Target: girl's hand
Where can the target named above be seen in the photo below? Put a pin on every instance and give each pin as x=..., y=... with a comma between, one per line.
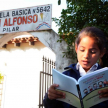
x=104, y=93
x=53, y=93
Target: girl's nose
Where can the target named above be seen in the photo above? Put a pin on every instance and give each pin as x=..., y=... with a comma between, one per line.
x=86, y=54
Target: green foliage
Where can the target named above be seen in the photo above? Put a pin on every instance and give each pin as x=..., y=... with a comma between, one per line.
x=80, y=14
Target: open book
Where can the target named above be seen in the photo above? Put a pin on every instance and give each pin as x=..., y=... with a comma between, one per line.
x=88, y=87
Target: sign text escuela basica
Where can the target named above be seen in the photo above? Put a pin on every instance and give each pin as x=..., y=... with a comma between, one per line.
x=26, y=19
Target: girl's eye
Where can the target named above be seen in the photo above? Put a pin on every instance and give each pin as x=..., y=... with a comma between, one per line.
x=93, y=52
x=81, y=50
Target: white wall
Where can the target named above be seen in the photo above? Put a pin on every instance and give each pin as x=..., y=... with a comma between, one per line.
x=22, y=69
x=49, y=38
x=22, y=66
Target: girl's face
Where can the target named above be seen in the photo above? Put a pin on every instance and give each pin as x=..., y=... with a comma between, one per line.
x=87, y=52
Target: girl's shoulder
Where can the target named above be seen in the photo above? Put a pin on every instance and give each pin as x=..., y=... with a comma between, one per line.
x=70, y=70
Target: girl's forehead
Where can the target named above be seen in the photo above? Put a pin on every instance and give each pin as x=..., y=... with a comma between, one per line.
x=86, y=40
x=84, y=35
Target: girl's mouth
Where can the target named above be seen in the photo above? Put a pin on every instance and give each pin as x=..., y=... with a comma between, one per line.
x=85, y=62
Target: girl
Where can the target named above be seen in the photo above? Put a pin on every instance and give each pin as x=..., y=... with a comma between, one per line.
x=90, y=47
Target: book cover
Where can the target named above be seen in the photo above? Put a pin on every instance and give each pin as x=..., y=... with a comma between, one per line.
x=89, y=86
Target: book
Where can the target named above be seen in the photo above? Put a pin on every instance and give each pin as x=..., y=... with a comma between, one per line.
x=84, y=92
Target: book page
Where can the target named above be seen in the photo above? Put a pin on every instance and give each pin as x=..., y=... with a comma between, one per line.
x=68, y=86
x=90, y=84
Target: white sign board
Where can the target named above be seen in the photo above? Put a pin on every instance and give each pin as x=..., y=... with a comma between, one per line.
x=26, y=19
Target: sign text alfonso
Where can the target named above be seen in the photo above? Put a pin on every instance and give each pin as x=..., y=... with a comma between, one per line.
x=26, y=19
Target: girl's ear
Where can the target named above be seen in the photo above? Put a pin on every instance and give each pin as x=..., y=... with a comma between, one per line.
x=76, y=48
x=103, y=52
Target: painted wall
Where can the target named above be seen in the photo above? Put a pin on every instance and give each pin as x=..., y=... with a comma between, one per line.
x=49, y=38
x=21, y=66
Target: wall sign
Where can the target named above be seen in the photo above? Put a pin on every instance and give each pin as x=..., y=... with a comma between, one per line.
x=26, y=19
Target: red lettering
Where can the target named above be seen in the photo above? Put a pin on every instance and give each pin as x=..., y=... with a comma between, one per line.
x=30, y=19
x=14, y=20
x=9, y=22
x=24, y=20
x=5, y=23
x=35, y=18
x=19, y=20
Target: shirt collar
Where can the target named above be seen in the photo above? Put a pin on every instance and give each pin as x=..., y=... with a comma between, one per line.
x=83, y=72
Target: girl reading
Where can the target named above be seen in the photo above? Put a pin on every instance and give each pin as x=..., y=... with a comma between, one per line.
x=90, y=46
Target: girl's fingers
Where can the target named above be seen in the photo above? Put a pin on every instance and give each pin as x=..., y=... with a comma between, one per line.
x=55, y=96
x=53, y=93
x=103, y=93
x=105, y=82
x=54, y=86
x=53, y=90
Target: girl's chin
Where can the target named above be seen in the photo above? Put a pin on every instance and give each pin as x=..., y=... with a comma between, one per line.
x=86, y=68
